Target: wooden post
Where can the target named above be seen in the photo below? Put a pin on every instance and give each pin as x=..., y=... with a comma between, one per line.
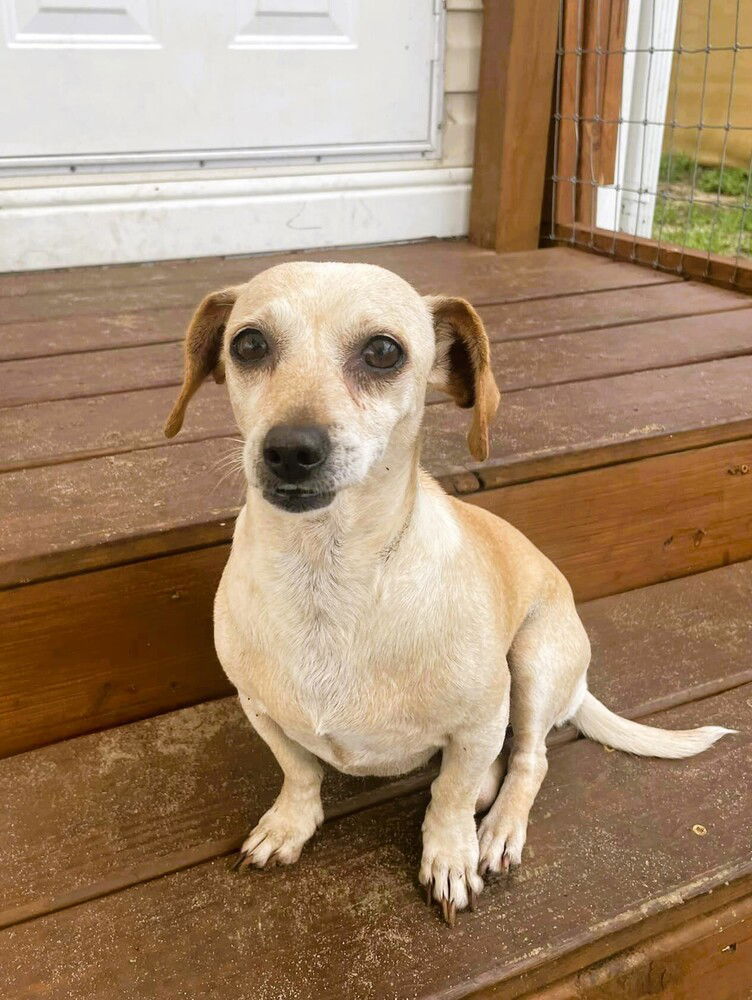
x=518, y=62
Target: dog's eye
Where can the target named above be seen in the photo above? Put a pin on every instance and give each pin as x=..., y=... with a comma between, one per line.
x=382, y=353
x=249, y=345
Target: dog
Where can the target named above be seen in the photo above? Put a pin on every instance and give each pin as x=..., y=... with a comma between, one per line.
x=366, y=618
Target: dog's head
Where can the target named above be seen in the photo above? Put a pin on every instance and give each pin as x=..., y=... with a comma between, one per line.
x=327, y=367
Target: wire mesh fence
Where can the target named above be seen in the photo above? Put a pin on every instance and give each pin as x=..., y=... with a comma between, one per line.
x=652, y=133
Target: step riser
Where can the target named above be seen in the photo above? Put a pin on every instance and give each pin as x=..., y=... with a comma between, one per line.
x=709, y=956
x=111, y=646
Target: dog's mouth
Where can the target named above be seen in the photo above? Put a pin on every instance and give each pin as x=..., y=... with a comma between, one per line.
x=298, y=499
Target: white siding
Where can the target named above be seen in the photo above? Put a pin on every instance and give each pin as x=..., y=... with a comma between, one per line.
x=464, y=24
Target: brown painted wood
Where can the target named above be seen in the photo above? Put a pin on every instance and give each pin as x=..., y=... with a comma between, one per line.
x=599, y=310
x=220, y=270
x=518, y=58
x=86, y=514
x=566, y=139
x=653, y=649
x=628, y=525
x=726, y=272
x=709, y=957
x=624, y=417
x=591, y=70
x=572, y=357
x=610, y=844
x=601, y=951
x=95, y=373
x=452, y=267
x=518, y=363
x=557, y=314
x=612, y=68
x=97, y=649
x=165, y=272
x=600, y=69
x=46, y=338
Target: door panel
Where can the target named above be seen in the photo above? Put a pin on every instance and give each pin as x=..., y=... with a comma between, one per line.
x=97, y=81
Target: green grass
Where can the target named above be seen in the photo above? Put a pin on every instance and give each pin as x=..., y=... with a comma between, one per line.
x=715, y=218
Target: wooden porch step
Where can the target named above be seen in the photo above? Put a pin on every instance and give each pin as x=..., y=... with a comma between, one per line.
x=115, y=874
x=624, y=389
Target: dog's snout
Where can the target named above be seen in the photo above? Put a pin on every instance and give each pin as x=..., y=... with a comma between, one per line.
x=293, y=454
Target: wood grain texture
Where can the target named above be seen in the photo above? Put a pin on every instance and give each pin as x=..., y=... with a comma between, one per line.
x=450, y=266
x=586, y=354
x=48, y=338
x=518, y=59
x=600, y=70
x=709, y=956
x=565, y=141
x=98, y=649
x=127, y=505
x=636, y=523
x=414, y=259
x=652, y=649
x=610, y=844
x=612, y=68
x=726, y=272
x=589, y=83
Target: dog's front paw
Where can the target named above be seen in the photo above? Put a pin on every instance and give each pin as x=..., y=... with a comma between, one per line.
x=501, y=839
x=449, y=868
x=280, y=834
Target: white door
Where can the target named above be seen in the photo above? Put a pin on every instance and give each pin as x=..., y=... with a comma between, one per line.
x=151, y=129
x=97, y=82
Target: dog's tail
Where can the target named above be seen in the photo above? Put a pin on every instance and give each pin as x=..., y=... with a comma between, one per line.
x=599, y=723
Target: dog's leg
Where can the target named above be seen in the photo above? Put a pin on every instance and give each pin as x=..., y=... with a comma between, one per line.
x=280, y=834
x=548, y=662
x=449, y=867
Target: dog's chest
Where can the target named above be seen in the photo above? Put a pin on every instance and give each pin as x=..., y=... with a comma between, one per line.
x=351, y=666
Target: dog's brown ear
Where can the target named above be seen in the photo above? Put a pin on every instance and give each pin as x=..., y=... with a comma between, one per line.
x=202, y=347
x=463, y=366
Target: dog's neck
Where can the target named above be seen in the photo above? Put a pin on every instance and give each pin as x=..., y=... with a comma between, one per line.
x=365, y=523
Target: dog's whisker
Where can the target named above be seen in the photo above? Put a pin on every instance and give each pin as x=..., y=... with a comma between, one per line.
x=228, y=475
x=233, y=458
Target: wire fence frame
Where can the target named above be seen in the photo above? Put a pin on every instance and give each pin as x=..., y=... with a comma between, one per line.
x=576, y=217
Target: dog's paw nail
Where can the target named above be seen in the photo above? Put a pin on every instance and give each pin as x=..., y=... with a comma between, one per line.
x=451, y=918
x=238, y=863
x=473, y=900
x=445, y=909
x=484, y=866
x=429, y=891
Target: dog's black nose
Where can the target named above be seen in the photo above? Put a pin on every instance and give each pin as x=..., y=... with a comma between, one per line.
x=293, y=454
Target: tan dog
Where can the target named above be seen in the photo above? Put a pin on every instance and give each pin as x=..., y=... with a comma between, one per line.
x=365, y=617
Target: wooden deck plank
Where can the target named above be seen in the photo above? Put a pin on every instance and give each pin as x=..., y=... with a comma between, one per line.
x=480, y=275
x=562, y=423
x=709, y=956
x=98, y=649
x=611, y=843
x=416, y=258
x=599, y=310
x=507, y=321
x=208, y=269
x=90, y=513
x=653, y=649
x=631, y=524
x=518, y=363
